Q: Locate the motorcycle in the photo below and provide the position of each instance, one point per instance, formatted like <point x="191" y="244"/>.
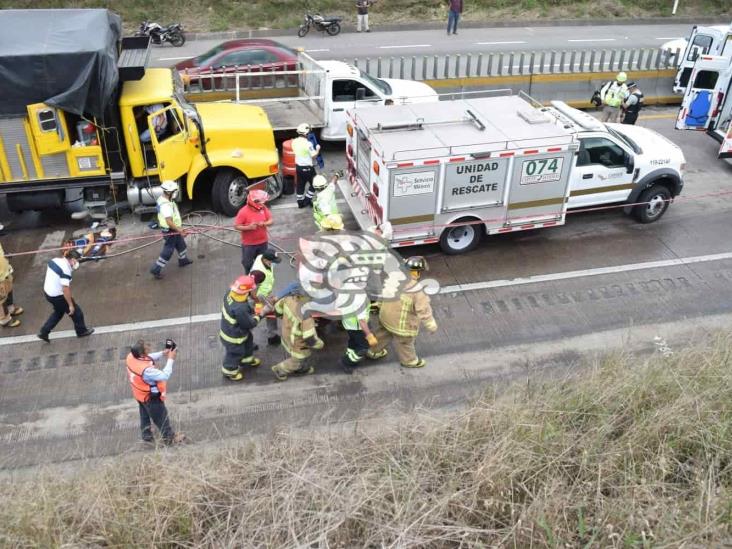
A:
<point x="159" y="34"/>
<point x="331" y="25"/>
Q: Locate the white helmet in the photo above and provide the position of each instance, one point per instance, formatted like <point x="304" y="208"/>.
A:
<point x="303" y="129"/>
<point x="319" y="182"/>
<point x="169" y="186"/>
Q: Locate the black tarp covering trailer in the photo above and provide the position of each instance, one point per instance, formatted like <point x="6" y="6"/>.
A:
<point x="66" y="58"/>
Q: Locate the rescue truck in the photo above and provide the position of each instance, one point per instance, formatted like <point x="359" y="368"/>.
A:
<point x="494" y="165"/>
<point x="81" y="114"/>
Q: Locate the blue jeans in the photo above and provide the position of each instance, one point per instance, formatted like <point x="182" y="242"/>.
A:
<point x="452" y="20"/>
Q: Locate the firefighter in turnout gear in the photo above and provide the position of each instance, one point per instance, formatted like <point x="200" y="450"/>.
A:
<point x="612" y="95"/>
<point x="325" y="199"/>
<point x="298" y="335"/>
<point x="172" y="227"/>
<point x="400" y="319"/>
<point x="237" y="322"/>
<point x="360" y="339"/>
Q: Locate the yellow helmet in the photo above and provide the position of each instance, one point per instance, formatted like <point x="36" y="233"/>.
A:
<point x="621" y="77"/>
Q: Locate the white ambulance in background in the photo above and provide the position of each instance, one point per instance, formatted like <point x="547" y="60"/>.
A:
<point x="454" y="171"/>
<point x="702" y="41"/>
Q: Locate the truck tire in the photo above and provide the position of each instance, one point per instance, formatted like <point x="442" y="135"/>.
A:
<point x="229" y="191"/>
<point x="461" y="238"/>
<point x="657" y="198"/>
<point x="275" y="186"/>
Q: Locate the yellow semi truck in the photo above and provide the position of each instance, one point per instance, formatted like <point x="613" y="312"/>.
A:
<point x="80" y="111"/>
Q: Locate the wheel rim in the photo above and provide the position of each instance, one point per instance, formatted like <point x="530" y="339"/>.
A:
<point x="461" y="237"/>
<point x="656" y="205"/>
<point x="237" y="191"/>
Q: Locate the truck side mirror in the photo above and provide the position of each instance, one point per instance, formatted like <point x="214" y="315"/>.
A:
<point x="360" y="94"/>
<point x="629" y="163"/>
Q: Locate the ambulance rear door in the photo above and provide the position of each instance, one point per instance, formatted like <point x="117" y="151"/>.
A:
<point x="413" y="190"/>
<point x="704" y="93"/>
<point x="702" y="41"/>
<point x="539" y="187"/>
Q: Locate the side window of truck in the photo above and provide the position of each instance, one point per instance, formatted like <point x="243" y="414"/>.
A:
<point x="175" y="126"/>
<point x="598" y="150"/>
<point x="706" y="80"/>
<point x="345" y="90"/>
<point x="47" y="120"/>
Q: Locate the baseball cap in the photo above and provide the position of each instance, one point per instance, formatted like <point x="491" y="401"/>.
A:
<point x="271" y="256"/>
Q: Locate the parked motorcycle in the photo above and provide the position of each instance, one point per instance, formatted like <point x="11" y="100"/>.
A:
<point x="159" y="34"/>
<point x="331" y="25"/>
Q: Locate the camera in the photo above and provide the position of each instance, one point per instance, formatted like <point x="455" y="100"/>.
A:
<point x="170" y="345"/>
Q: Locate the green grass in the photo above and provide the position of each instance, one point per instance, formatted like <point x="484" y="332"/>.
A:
<point x="629" y="453"/>
<point x="217" y="15"/>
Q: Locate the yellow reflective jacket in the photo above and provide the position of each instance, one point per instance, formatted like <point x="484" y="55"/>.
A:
<point x="404" y="315"/>
<point x="5" y="268"/>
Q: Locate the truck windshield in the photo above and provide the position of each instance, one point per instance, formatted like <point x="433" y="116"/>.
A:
<point x="189" y="110"/>
<point x="625" y="139"/>
<point x="379" y="84"/>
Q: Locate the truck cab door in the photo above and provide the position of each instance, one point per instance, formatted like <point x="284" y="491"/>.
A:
<point x="703" y="94"/>
<point x="48" y="126"/>
<point x="603" y="173"/>
<point x="172" y="147"/>
<point x="344" y="92"/>
<point x="700" y="43"/>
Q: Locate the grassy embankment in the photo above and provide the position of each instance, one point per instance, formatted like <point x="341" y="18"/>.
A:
<point x="218" y="15"/>
<point x="633" y="452"/>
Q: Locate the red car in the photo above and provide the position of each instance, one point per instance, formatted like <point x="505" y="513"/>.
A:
<point x="245" y="55"/>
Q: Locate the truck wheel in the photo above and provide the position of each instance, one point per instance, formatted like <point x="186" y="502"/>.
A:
<point x="229" y="191"/>
<point x="333" y="29"/>
<point x="274" y="186"/>
<point x="656" y="203"/>
<point x="460" y="239"/>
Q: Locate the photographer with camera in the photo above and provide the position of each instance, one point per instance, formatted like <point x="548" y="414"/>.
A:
<point x="149" y="384"/>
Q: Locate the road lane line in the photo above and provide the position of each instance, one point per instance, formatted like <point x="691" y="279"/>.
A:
<point x="592" y="40"/>
<point x="173" y="58"/>
<point x="499" y="43"/>
<point x="315" y="51"/>
<point x="670" y="38"/>
<point x="406" y="46"/>
<point x="458" y="288"/>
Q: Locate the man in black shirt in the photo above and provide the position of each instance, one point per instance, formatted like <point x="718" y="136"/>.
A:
<point x="362" y="19"/>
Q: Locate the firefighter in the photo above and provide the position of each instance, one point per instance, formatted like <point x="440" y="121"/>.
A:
<point x="305" y="153"/>
<point x="298" y="335"/>
<point x="325" y="199"/>
<point x="8" y="309"/>
<point x="331" y="223"/>
<point x="612" y="95"/>
<point x="171" y="226"/>
<point x="400" y="320"/>
<point x="237" y="322"/>
<point x="360" y="339"/>
<point x="264" y="266"/>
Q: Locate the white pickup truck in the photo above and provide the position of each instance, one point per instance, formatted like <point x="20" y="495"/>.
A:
<point x="318" y="92"/>
<point x="499" y="164"/>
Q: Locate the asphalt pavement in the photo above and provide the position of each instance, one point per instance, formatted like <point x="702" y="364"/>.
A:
<point x="542" y="301"/>
<point x="350" y="45"/>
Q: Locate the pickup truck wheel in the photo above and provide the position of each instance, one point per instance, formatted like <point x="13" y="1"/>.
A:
<point x="656" y="201"/>
<point x="460" y="239"/>
<point x="229" y="192"/>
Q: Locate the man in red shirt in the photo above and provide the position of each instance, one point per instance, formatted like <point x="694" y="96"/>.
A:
<point x="252" y="222"/>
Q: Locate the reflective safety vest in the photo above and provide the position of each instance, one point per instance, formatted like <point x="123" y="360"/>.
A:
<point x="295" y="328"/>
<point x="264" y="288"/>
<point x="161" y="218"/>
<point x="237" y="320"/>
<point x="325" y="204"/>
<point x="141" y="390"/>
<point x="303" y="149"/>
<point x="351" y="322"/>
<point x="403" y="316"/>
<point x="635" y="108"/>
<point x="613" y="94"/>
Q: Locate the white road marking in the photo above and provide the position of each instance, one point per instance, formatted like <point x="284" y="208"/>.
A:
<point x="314" y="51"/>
<point x="499" y="43"/>
<point x="670" y="38"/>
<point x="592" y="40"/>
<point x="406" y="46"/>
<point x="173" y="58"/>
<point x="52" y="240"/>
<point x="459" y="288"/>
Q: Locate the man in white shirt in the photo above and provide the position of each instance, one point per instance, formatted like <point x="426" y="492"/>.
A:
<point x="57" y="289"/>
<point x="304" y="169"/>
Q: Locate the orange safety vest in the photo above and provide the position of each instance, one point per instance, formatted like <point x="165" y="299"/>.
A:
<point x="140" y="388"/>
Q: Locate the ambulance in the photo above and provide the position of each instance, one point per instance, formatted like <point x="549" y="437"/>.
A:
<point x="455" y="171"/>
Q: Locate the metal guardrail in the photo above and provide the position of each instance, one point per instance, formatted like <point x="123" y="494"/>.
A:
<point x="521" y="63"/>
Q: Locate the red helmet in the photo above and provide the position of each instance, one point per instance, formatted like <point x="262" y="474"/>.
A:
<point x="257" y="198"/>
<point x="243" y="285"/>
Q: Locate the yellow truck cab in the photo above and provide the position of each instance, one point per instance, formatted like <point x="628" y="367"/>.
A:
<point x="85" y="113"/>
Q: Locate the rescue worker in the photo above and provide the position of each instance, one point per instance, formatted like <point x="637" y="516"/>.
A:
<point x="299" y="337"/>
<point x="149" y="385"/>
<point x="360" y="339"/>
<point x="612" y="95"/>
<point x="263" y="296"/>
<point x="304" y="152"/>
<point x="237" y="322"/>
<point x="171" y="226"/>
<point x="332" y="223"/>
<point x="632" y="104"/>
<point x="400" y="320"/>
<point x="325" y="199"/>
<point x="252" y="222"/>
<point x="8" y="309"/>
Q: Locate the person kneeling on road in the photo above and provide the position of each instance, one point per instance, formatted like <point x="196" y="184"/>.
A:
<point x="149" y="384"/>
<point x="298" y="334"/>
<point x="237" y="322"/>
<point x="171" y="225"/>
<point x="400" y="320"/>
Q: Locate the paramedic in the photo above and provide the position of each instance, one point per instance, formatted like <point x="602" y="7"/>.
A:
<point x="304" y="155"/>
<point x="612" y="95"/>
<point x="171" y="225"/>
